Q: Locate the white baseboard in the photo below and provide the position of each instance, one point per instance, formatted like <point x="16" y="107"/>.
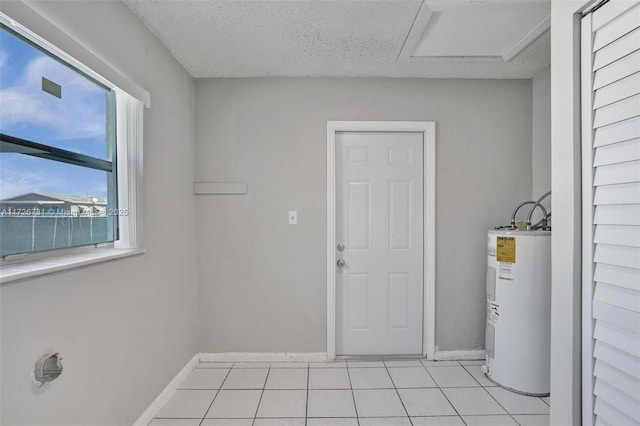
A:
<point x="460" y="355"/>
<point x="264" y="357"/>
<point x="167" y="393"/>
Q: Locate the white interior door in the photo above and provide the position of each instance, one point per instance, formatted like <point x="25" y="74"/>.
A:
<point x="379" y="220"/>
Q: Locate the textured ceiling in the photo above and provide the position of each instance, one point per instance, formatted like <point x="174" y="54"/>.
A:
<point x="240" y="38"/>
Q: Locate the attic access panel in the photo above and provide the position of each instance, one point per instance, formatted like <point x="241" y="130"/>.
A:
<point x="491" y="31"/>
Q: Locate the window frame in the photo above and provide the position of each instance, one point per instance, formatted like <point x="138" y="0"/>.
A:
<point x="37" y="148"/>
<point x="127" y="160"/>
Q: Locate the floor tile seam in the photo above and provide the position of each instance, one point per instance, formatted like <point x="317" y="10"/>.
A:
<point x="198" y="367"/>
<point x="246" y="368"/>
<point x="230" y="418"/>
<point x="391" y="417"/>
<point x="399" y="387"/>
<point x="430" y="376"/>
<point x="214" y="398"/>
<point x="284" y="389"/>
<point x="214" y="363"/>
<point x="443" y="366"/>
<point x="352" y="388"/>
<point x="517" y="414"/>
<point x="377" y="387"/>
<point x="397" y="366"/>
<point x="476" y="386"/>
<point x="332" y="417"/>
<point x="453" y="387"/>
<point x="402" y="366"/>
<point x="325" y="368"/>
<point x="425" y="387"/>
<point x="528" y="415"/>
<point x="332" y="389"/>
<point x="177" y="418"/>
<point x="221" y="388"/>
<point x="398" y="393"/>
<point x="373" y="366"/>
<point x="306" y="406"/>
<point x="341" y="417"/>
<point x="440" y="415"/>
<point x="469" y="372"/>
<point x="280" y="417"/>
<point x="358" y="364"/>
<point x="279" y="368"/>
<point x="542" y="398"/>
<point x="434" y="380"/>
<point x="337" y="389"/>
<point x="501" y="406"/>
<point x="512" y="392"/>
<point x="424" y="366"/>
<point x="498" y="415"/>
<point x="520" y="424"/>
<point x="241" y="389"/>
<point x="446" y="397"/>
<point x="255" y="415"/>
<point x="353" y="396"/>
<point x="466" y="371"/>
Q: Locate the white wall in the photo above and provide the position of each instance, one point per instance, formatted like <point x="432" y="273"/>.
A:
<point x="126" y="327"/>
<point x="261" y="282"/>
<point x="541" y="134"/>
<point x="566" y="241"/>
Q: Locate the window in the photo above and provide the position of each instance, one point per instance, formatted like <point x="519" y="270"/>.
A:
<point x="70" y="152"/>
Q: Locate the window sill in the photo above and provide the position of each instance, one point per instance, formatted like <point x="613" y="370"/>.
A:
<point x="36" y="268"/>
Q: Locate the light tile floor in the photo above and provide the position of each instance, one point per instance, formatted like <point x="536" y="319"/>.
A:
<point x="351" y="393"/>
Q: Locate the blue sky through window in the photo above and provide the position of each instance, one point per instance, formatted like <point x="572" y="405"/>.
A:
<point x="76" y="122"/>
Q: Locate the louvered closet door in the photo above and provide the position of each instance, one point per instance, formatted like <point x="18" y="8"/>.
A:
<point x="611" y="214"/>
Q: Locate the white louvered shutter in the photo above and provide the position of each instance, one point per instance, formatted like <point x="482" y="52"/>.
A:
<point x="611" y="214"/>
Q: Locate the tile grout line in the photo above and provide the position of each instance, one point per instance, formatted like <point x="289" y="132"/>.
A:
<point x="469" y="373"/>
<point x="261" y="394"/>
<point x="397" y="392"/>
<point x="306" y="407"/>
<point x="215" y="396"/>
<point x="498" y="402"/>
<point x="490" y="394"/>
<point x="376" y="388"/>
<point x="445" y="395"/>
<point x="355" y="407"/>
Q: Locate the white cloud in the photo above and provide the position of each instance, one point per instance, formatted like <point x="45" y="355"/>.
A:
<point x="20" y="181"/>
<point x="20" y="174"/>
<point x="75" y="116"/>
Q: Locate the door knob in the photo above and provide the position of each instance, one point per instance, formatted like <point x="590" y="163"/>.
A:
<point x="340" y="263"/>
<point x="340" y="247"/>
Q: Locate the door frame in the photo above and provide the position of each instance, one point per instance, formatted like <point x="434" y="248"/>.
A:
<point x="427" y="128"/>
<point x="587" y="322"/>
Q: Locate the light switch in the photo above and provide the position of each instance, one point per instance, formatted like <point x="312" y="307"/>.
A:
<point x="293" y="217"/>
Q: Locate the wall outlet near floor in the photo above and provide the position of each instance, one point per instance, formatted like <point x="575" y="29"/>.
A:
<point x="293" y="217"/>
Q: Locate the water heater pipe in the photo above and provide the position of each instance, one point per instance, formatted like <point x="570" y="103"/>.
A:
<point x="537" y="204"/>
<point x="515" y="211"/>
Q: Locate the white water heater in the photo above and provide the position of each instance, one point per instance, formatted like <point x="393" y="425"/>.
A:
<point x="518" y="327"/>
